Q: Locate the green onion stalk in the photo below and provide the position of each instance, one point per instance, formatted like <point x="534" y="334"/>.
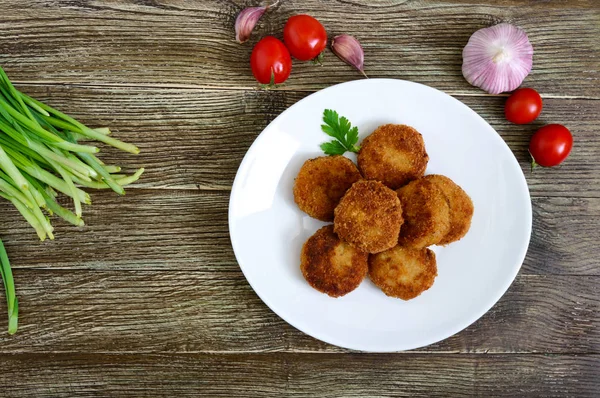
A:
<point x="40" y="155"/>
<point x="9" y="289"/>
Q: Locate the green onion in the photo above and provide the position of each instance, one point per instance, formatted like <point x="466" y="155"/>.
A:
<point x="9" y="288"/>
<point x="40" y="156"/>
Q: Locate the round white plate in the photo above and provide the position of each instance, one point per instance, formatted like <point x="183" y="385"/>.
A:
<point x="268" y="230"/>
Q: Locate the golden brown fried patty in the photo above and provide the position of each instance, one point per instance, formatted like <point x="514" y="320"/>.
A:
<point x="403" y="272"/>
<point x="321" y="183"/>
<point x="393" y="154"/>
<point x="330" y="265"/>
<point x="369" y="217"/>
<point x="461" y="207"/>
<point x="426" y="214"/>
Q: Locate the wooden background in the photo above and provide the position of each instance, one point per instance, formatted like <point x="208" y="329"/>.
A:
<point x="148" y="299"/>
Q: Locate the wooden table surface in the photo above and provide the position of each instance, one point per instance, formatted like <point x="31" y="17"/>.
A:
<point x="148" y="299"/>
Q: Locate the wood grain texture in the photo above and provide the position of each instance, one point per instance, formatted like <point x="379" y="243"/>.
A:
<point x="294" y="375"/>
<point x="188" y="230"/>
<point x="217" y="311"/>
<point x="178" y="42"/>
<point x="196" y="139"/>
<point x="148" y="300"/>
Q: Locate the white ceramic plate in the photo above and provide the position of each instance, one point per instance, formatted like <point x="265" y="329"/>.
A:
<point x="268" y="230"/>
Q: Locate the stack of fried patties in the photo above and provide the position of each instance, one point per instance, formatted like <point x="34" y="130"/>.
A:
<point x="385" y="214"/>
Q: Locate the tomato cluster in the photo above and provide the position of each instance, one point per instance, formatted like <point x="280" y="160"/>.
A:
<point x="551" y="144"/>
<point x="305" y="38"/>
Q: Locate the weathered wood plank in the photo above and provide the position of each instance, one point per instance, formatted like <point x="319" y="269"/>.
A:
<point x="555" y="221"/>
<point x="191" y="43"/>
<point x="217" y="311"/>
<point x="297" y="375"/>
<point x="148" y="298"/>
<point x="197" y="138"/>
<point x="188" y="230"/>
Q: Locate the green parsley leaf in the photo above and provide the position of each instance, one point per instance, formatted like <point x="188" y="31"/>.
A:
<point x="339" y="128"/>
<point x="333" y="148"/>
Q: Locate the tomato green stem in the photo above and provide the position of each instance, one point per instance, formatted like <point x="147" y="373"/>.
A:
<point x="318" y="60"/>
<point x="533" y="163"/>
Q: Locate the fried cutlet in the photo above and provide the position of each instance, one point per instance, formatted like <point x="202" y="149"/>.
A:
<point x="426" y="214"/>
<point x="332" y="266"/>
<point x="403" y="272"/>
<point x="393" y="154"/>
<point x="321" y="183"/>
<point x="369" y="217"/>
<point x="461" y="208"/>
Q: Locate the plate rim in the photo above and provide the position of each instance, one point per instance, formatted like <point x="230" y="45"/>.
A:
<point x="435" y="337"/>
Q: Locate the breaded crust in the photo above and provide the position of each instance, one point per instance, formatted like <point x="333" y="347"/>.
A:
<point x="393" y="154"/>
<point x="330" y="265"/>
<point x="321" y="183"/>
<point x="426" y="214"/>
<point x="403" y="272"/>
<point x="369" y="217"/>
<point x="461" y="208"/>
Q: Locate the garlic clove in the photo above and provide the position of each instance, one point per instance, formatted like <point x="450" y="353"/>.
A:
<point x="247" y="20"/>
<point x="349" y="50"/>
<point x="498" y="58"/>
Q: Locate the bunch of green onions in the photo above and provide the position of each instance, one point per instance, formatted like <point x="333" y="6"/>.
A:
<point x="40" y="155"/>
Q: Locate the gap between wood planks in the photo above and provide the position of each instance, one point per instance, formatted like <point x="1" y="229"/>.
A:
<point x="227" y="188"/>
<point x="243" y="88"/>
<point x="342" y="351"/>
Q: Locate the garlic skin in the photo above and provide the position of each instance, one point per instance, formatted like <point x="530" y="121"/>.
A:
<point x="349" y="50"/>
<point x="498" y="58"/>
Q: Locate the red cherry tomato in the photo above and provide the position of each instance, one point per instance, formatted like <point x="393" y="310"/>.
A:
<point x="270" y="59"/>
<point x="523" y="106"/>
<point x="305" y="37"/>
<point x="550" y="145"/>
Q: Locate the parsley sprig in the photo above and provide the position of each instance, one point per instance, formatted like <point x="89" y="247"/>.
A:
<point x="339" y="128"/>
